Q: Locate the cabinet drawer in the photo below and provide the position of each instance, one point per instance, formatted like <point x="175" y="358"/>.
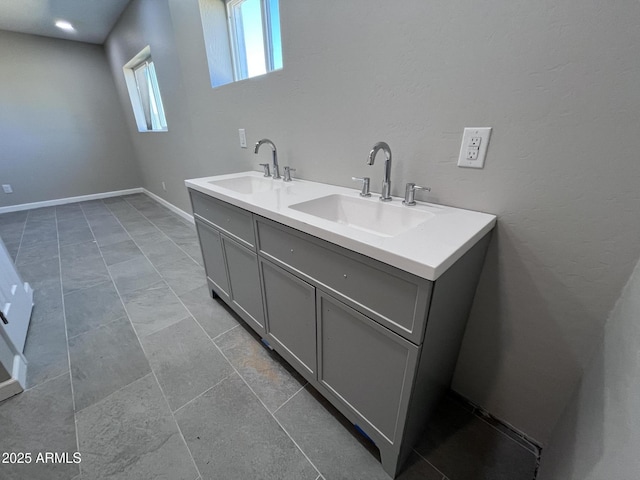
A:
<point x="233" y="220"/>
<point x="390" y="296"/>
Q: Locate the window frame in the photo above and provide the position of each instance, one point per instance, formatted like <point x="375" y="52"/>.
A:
<point x="236" y="41"/>
<point x="157" y="116"/>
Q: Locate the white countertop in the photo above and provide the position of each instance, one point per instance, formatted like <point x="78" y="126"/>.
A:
<point x="426" y="250"/>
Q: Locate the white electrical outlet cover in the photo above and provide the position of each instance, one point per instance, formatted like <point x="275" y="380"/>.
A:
<point x="7" y="189"/>
<point x="243" y="138"/>
<point x="484" y="133"/>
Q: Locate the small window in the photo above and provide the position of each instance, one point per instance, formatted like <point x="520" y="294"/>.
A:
<point x="142" y="83"/>
<point x="254" y="33"/>
<point x="242" y="38"/>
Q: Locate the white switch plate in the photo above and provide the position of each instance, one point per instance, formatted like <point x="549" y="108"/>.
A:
<point x="473" y="150"/>
<point x="7" y="189"/>
<point x="243" y="138"/>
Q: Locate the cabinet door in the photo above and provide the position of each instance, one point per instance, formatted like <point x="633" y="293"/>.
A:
<point x="244" y="283"/>
<point x="290" y="306"/>
<point x="213" y="257"/>
<point x="366" y="366"/>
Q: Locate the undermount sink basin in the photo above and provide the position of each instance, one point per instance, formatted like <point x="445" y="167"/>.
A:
<point x="384" y="219"/>
<point x="247" y="185"/>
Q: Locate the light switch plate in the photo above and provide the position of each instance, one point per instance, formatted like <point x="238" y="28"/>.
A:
<point x="473" y="150"/>
<point x="243" y="138"/>
<point x="7" y="189"/>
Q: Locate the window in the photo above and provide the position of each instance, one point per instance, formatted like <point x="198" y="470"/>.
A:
<point x="254" y="34"/>
<point x="142" y="83"/>
<point x="242" y="38"/>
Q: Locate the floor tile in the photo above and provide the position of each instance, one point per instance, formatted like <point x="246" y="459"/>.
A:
<point x="44" y="213"/>
<point x="14" y="217"/>
<point x="120" y="252"/>
<point x="134" y="275"/>
<point x="80" y="273"/>
<point x="192" y="248"/>
<point x="110" y="235"/>
<point x="330" y="441"/>
<point x="72" y="236"/>
<point x="94" y="207"/>
<point x="273" y="380"/>
<point x="185" y="361"/>
<point x="138" y="226"/>
<point x="41" y="273"/>
<point x="144" y="442"/>
<point x="88" y="249"/>
<point x="464" y="447"/>
<point x="212" y="314"/>
<point x="47" y="301"/>
<point x="232" y="437"/>
<point x="46" y="349"/>
<point x="183" y="276"/>
<point x="105" y="360"/>
<point x="163" y="252"/>
<point x="72" y="223"/>
<point x="39" y="420"/>
<point x="39" y="232"/>
<point x="153" y="308"/>
<point x="92" y="307"/>
<point x="38" y="253"/>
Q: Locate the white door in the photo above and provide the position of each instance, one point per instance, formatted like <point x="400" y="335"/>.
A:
<point x="16" y="301"/>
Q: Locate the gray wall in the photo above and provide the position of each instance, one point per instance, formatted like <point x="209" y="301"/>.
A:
<point x="599" y="433"/>
<point x="558" y="82"/>
<point x="62" y="131"/>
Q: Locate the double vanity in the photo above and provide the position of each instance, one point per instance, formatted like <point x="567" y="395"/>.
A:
<point x="368" y="300"/>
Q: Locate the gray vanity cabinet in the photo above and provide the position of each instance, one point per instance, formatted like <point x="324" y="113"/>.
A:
<point x="366" y="366"/>
<point x="213" y="256"/>
<point x="290" y="307"/>
<point x="231" y="263"/>
<point x="244" y="283"/>
<point x="379" y="343"/>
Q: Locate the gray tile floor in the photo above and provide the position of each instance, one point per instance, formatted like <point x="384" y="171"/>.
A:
<point x="132" y="364"/>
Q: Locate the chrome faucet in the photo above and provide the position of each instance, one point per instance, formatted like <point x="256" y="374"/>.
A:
<point x="276" y="169"/>
<point x="386" y="181"/>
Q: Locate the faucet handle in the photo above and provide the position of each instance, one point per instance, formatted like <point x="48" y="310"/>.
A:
<point x="365" y="185"/>
<point x="287" y="174"/>
<point x="267" y="173"/>
<point x="410" y="193"/>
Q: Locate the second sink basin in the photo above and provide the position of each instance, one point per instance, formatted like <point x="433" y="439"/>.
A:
<point x="247" y="185"/>
<point x="383" y="219"/>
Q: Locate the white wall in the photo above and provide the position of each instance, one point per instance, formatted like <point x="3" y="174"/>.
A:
<point x="599" y="433"/>
<point x="558" y="82"/>
<point x="62" y="131"/>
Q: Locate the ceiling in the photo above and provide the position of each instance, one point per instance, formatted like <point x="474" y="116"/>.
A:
<point x="92" y="19"/>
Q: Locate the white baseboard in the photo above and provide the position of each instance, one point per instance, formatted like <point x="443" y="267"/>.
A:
<point x="63" y="201"/>
<point x="170" y="206"/>
<point x="9" y="388"/>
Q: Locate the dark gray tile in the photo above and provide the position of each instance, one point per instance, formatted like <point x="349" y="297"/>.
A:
<point x="163" y="252"/>
<point x="185" y="361"/>
<point x="329" y="440"/>
<point x="94" y="207"/>
<point x="72" y="236"/>
<point x="273" y="380"/>
<point x="38" y="253"/>
<point x="92" y="307"/>
<point x="36" y="238"/>
<point x="153" y="308"/>
<point x="110" y="235"/>
<point x="41" y="274"/>
<point x="12" y="218"/>
<point x="120" y="252"/>
<point x="12" y="248"/>
<point x="82" y="250"/>
<point x="462" y="446"/>
<point x="103" y="221"/>
<point x="131" y="435"/>
<point x="39" y="420"/>
<point x="192" y="248"/>
<point x="46" y="348"/>
<point x="232" y="436"/>
<point x="71" y="223"/>
<point x="149" y="238"/>
<point x="44" y="213"/>
<point x="80" y="273"/>
<point x="105" y="360"/>
<point x="180" y="234"/>
<point x="183" y="276"/>
<point x="134" y="275"/>
<point x="416" y="468"/>
<point x="137" y="226"/>
<point x="47" y="302"/>
<point x="210" y="313"/>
